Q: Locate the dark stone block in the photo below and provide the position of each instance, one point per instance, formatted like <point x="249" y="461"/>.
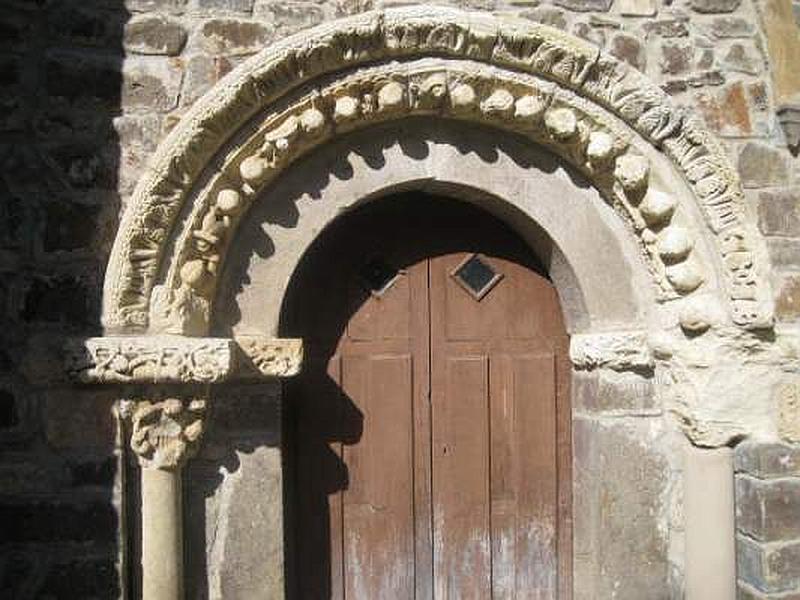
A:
<point x="779" y="212"/>
<point x="89" y="579"/>
<point x="69" y="226"/>
<point x="94" y="473"/>
<point x="38" y="521"/>
<point x="771" y="567"/>
<point x="768" y="510"/>
<point x="63" y="299"/>
<point x="78" y="77"/>
<point x="9" y="418"/>
<point x="768" y="460"/>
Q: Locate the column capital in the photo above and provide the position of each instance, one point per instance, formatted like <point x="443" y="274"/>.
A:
<point x="165" y="432"/>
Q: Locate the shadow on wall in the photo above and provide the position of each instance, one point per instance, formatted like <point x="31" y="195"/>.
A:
<point x="60" y="90"/>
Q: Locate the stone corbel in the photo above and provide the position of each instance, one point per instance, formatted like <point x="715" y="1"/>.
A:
<point x="172" y="378"/>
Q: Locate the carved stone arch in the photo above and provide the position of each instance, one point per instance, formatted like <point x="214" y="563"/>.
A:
<point x="600" y="116"/>
<point x="676" y="204"/>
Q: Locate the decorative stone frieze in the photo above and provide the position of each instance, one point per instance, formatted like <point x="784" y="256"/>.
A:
<point x="157" y="359"/>
<point x="166" y="359"/>
<point x="165" y="433"/>
<point x="271" y="357"/>
<point x="557" y="90"/>
<point x="618" y="351"/>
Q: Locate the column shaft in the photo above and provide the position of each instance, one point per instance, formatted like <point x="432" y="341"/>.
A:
<point x="709" y="518"/>
<point x="162" y="534"/>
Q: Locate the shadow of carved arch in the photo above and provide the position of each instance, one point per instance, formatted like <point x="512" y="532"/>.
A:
<point x="662" y="173"/>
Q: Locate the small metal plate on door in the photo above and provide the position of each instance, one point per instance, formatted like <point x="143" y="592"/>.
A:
<point x="476" y="276"/>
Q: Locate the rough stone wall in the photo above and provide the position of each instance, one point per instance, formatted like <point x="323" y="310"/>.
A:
<point x="87" y="91"/>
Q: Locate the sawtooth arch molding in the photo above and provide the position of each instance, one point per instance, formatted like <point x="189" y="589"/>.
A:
<point x="594" y="112"/>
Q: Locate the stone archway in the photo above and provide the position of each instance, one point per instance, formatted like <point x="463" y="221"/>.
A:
<point x="677" y="203"/>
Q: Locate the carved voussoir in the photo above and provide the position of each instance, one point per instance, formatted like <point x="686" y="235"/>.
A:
<point x="619" y="351"/>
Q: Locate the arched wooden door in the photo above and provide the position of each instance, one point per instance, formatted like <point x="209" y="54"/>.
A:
<point x="428" y="450"/>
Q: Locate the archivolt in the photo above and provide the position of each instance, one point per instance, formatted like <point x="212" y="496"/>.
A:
<point x="519" y="77"/>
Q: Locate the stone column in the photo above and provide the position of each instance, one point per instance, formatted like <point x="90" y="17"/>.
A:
<point x="166" y="426"/>
<point x="709" y="520"/>
<point x="165" y="433"/>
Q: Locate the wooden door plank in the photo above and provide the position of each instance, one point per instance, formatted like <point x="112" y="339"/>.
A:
<point x="378" y="517"/>
<point x="535" y="473"/>
<point x="462" y="552"/>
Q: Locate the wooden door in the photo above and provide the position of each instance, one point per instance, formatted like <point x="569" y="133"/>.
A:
<point x="428" y="437"/>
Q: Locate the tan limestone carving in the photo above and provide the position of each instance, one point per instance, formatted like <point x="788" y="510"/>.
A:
<point x="558" y="90"/>
<point x="167" y="432"/>
<point x="271" y="357"/>
<point x="164" y="359"/>
<point x="619" y="351"/>
<point x="156" y="359"/>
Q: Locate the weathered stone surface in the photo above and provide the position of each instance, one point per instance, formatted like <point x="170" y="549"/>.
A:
<point x="767" y="510"/>
<point x="42" y="521"/>
<point x="288" y="17"/>
<point x="784" y="252"/>
<point x="64" y="300"/>
<point x="765" y="460"/>
<point x="232" y="37"/>
<point x="770" y="567"/>
<point x="585" y="5"/>
<point x="91" y="578"/>
<point x="748" y="592"/>
<point x="715" y="6"/>
<point x="240" y="6"/>
<point x="151" y="84"/>
<point x="608" y="391"/>
<point x="783" y="44"/>
<point x="636" y="8"/>
<point x="69" y="226"/>
<point x="676" y="58"/>
<point x="761" y="165"/>
<point x="154" y="35"/>
<point x="787" y="302"/>
<point x="779" y="212"/>
<point x="742" y="59"/>
<point x="668" y="26"/>
<point x="250" y="554"/>
<point x="83" y="78"/>
<point x="202" y="72"/>
<point x="620" y="480"/>
<point x="732" y="27"/>
<point x="629" y="48"/>
<point x="726" y="110"/>
<point x="547" y="15"/>
<point x="79" y="420"/>
<point x="585" y="31"/>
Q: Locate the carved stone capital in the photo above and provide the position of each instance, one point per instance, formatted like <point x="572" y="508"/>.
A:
<point x="619" y="351"/>
<point x="165" y="433"/>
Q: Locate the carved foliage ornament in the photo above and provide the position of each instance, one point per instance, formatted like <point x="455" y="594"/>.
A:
<point x="516" y="49"/>
<point x="159" y="359"/>
<point x="175" y="359"/>
<point x="167" y="432"/>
